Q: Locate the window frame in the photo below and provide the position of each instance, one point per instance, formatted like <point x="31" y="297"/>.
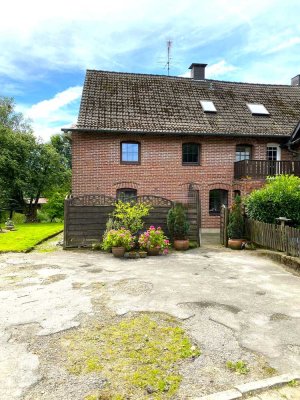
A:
<point x="139" y="153"/>
<point x="216" y="213"/>
<point x="120" y="190"/>
<point x="244" y="145"/>
<point x="185" y="163"/>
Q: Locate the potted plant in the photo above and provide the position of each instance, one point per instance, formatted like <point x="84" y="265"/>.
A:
<point x="118" y="240"/>
<point x="178" y="226"/>
<point x="235" y="228"/>
<point x="153" y="241"/>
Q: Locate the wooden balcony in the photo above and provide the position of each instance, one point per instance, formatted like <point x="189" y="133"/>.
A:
<point x="260" y="169"/>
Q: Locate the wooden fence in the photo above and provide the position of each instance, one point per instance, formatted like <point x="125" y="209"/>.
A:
<point x="275" y="237"/>
<point x="86" y="217"/>
<point x="271" y="236"/>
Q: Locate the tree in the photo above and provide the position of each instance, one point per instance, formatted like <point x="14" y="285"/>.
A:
<point x="28" y="168"/>
<point x="279" y="198"/>
<point x="62" y="144"/>
<point x="54" y="208"/>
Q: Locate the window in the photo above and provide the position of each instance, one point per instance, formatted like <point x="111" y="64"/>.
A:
<point x="208" y="106"/>
<point x="257" y="109"/>
<point x="217" y="197"/>
<point x="242" y="152"/>
<point x="190" y="154"/>
<point x="130" y="153"/>
<point x="126" y="194"/>
<point x="273" y="152"/>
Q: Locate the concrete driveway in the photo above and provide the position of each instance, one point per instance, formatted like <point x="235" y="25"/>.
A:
<point x="234" y="305"/>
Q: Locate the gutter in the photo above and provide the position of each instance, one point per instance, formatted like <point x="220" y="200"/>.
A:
<point x="137" y="132"/>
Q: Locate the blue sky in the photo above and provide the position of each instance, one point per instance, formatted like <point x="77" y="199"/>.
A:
<point x="45" y="47"/>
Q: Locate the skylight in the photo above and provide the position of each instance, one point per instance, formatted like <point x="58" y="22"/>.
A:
<point x="208" y="106"/>
<point x="257" y="109"/>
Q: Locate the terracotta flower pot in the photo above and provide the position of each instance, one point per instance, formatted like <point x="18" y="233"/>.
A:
<point x="235" y="244"/>
<point x="153" y="252"/>
<point x="118" y="251"/>
<point x="181" y="244"/>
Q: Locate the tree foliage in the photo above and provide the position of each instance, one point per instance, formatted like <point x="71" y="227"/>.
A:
<point x="28" y="167"/>
<point x="279" y="198"/>
<point x="178" y="224"/>
<point x="235" y="227"/>
<point x="54" y="208"/>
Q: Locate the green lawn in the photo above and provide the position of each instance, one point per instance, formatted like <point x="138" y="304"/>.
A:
<point x="27" y="236"/>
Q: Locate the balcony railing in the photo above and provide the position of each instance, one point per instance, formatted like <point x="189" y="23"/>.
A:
<point x="260" y="169"/>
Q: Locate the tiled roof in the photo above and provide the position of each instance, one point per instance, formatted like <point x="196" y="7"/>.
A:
<point x="160" y="104"/>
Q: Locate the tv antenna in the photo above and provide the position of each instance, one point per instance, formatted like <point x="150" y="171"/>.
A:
<point x="169" y="45"/>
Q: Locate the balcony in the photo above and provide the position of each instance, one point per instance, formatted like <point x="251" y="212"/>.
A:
<point x="260" y="169"/>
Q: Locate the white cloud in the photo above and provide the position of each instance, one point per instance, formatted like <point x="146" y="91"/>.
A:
<point x="219" y="69"/>
<point x="49" y="116"/>
<point x="47" y="108"/>
<point x="95" y="34"/>
<point x="284" y="45"/>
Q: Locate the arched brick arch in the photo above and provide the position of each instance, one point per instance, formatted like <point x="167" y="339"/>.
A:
<point x="126" y="184"/>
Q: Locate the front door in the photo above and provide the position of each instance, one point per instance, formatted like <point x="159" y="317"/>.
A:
<point x="273" y="156"/>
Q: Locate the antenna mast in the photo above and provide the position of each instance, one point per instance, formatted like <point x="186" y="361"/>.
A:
<point x="169" y="45"/>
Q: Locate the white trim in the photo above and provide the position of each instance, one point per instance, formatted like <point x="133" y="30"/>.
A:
<point x="278" y="155"/>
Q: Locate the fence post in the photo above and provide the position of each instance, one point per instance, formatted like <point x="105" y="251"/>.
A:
<point x="283" y="233"/>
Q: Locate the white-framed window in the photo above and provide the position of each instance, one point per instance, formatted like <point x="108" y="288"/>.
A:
<point x="273" y="152"/>
<point x="243" y="152"/>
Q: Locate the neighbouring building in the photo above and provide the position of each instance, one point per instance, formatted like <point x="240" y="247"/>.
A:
<point x="140" y="134"/>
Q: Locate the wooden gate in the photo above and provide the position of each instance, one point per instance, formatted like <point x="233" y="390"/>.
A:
<point x="223" y="225"/>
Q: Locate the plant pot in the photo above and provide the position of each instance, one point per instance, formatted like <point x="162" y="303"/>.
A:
<point x="181" y="244"/>
<point x="143" y="254"/>
<point x="153" y="252"/>
<point x="235" y="244"/>
<point x="118" y="251"/>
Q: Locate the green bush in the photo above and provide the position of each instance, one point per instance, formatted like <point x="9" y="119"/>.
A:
<point x="54" y="208"/>
<point x="128" y="215"/>
<point x="42" y="216"/>
<point x="279" y="198"/>
<point x="117" y="238"/>
<point x="177" y="222"/>
<point x="18" y="218"/>
<point x="236" y="223"/>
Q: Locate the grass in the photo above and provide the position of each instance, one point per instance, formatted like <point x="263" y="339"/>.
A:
<point x="27" y="236"/>
<point x="137" y="356"/>
<point x="240" y="367"/>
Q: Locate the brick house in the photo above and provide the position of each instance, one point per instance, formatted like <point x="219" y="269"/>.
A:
<point x="141" y="134"/>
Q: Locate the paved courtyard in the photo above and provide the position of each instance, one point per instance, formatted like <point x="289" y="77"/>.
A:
<point x="234" y="305"/>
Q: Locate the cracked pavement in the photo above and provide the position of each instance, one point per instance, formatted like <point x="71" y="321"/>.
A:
<point x="236" y="305"/>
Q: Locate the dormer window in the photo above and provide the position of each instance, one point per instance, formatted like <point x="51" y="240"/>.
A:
<point x="208" y="106"/>
<point x="257" y="109"/>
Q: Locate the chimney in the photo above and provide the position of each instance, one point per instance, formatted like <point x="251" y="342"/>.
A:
<point x="198" y="71"/>
<point x="295" y="81"/>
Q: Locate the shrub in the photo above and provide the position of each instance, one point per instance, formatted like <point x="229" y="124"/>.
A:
<point x="18" y="218"/>
<point x="42" y="216"/>
<point x="154" y="238"/>
<point x="279" y="198"/>
<point x="236" y="224"/>
<point x="117" y="238"/>
<point x="129" y="215"/>
<point x="55" y="206"/>
<point x="177" y="222"/>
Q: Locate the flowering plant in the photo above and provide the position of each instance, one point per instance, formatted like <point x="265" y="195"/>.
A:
<point x="154" y="238"/>
<point x="118" y="238"/>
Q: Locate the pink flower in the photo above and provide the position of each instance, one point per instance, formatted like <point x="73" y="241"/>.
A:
<point x="152" y="227"/>
<point x="166" y="251"/>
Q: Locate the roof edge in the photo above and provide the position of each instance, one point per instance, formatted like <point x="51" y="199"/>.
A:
<point x="175" y="133"/>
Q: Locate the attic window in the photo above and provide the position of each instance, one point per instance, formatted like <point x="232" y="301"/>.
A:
<point x="257" y="109"/>
<point x="208" y="106"/>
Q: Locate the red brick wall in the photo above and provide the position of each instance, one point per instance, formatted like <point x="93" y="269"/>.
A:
<point x="97" y="167"/>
